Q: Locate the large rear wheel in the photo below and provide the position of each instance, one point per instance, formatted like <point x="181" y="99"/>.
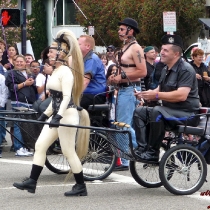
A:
<point x="97" y="165"/>
<point x="100" y="160"/>
<point x="188" y="170"/>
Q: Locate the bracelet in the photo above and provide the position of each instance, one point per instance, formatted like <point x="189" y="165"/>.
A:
<point x="123" y="75"/>
<point x="157" y="96"/>
<point x="24" y="84"/>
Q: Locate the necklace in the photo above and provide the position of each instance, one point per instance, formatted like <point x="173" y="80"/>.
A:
<point x="132" y="39"/>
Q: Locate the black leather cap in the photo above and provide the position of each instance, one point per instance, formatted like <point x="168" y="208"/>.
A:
<point x="172" y="39"/>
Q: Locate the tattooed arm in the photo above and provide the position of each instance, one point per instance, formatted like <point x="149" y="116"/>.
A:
<point x="139" y="60"/>
<point x="134" y="55"/>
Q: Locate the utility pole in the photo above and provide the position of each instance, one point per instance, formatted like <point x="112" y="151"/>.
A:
<point x="23" y="26"/>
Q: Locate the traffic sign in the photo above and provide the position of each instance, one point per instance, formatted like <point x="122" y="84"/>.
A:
<point x="10" y="17"/>
<point x="169" y="21"/>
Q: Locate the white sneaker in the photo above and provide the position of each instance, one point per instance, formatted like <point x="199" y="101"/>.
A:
<point x="21" y="152"/>
<point x="28" y="153"/>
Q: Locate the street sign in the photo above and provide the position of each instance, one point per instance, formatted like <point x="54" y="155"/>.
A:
<point x="91" y="30"/>
<point x="169" y="21"/>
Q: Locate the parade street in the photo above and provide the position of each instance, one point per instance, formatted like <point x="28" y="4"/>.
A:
<point x="118" y="191"/>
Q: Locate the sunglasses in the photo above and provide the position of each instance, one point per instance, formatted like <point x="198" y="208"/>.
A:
<point x="110" y="50"/>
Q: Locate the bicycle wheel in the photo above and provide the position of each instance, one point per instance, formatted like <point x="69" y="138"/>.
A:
<point x="145" y="174"/>
<point x="100" y="160"/>
<point x="97" y="165"/>
<point x="56" y="161"/>
<point x="189" y="170"/>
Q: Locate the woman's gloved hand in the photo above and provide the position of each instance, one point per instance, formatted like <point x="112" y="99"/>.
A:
<point x="54" y="123"/>
<point x="43" y="117"/>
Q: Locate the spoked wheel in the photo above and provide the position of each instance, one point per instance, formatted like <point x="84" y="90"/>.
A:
<point x="186" y="167"/>
<point x="56" y="161"/>
<point x="97" y="165"/>
<point x="100" y="161"/>
<point x="145" y="174"/>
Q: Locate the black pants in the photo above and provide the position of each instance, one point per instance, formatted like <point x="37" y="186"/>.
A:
<point x="143" y="116"/>
<point x="88" y="99"/>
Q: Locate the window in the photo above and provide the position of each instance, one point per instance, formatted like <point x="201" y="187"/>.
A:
<point x="65" y="13"/>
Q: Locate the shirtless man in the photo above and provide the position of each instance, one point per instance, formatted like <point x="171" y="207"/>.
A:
<point x="133" y="67"/>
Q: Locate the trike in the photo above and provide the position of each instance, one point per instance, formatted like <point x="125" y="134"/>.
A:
<point x="182" y="169"/>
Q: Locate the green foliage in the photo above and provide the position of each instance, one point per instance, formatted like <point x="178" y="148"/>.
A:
<point x="38" y="30"/>
<point x="106" y="14"/>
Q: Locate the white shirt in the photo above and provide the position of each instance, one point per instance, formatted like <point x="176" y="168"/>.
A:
<point x="40" y="80"/>
<point x="109" y="63"/>
<point x="3" y="91"/>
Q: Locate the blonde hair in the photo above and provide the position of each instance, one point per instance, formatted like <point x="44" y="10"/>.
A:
<point x="90" y="40"/>
<point x="77" y="66"/>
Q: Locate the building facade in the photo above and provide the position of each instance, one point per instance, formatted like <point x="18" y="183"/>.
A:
<point x="61" y="16"/>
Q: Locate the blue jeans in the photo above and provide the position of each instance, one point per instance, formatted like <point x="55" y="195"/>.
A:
<point x="17" y="133"/>
<point x="126" y="104"/>
<point x="2" y="130"/>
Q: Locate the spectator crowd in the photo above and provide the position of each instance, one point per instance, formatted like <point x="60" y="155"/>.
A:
<point x="23" y="80"/>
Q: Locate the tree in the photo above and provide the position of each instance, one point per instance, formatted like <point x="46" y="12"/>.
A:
<point x="38" y="24"/>
<point x="187" y="14"/>
<point x="104" y="15"/>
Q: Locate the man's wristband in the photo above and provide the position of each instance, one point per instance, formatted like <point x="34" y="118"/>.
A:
<point x="24" y="84"/>
<point x="157" y="96"/>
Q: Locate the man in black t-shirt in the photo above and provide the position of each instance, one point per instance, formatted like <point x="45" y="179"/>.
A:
<point x="179" y="94"/>
<point x="150" y="55"/>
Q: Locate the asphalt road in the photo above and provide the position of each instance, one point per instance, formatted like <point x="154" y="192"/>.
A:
<point x="118" y="192"/>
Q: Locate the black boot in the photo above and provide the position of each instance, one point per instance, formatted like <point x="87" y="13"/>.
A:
<point x="77" y="190"/>
<point x="141" y="131"/>
<point x="30" y="183"/>
<point x="27" y="184"/>
<point x="157" y="133"/>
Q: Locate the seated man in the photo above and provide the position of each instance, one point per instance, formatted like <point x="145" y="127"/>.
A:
<point x="95" y="80"/>
<point x="178" y="91"/>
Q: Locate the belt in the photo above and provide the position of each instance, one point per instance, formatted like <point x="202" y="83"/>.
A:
<point x="127" y="84"/>
<point x="127" y="65"/>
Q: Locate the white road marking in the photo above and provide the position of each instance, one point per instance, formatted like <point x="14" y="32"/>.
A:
<point x="122" y="178"/>
<point x="62" y="185"/>
<point x="116" y="178"/>
<point x="16" y="161"/>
